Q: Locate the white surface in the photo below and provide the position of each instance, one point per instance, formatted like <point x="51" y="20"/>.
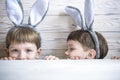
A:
<point x="60" y="70"/>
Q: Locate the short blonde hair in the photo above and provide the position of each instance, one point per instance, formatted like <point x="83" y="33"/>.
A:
<point x="23" y="34"/>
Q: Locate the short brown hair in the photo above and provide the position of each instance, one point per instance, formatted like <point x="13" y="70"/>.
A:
<point x="87" y="42"/>
<point x="23" y="34"/>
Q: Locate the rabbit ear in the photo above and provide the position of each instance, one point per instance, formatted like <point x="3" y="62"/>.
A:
<point x="76" y="15"/>
<point x="38" y="12"/>
<point x="89" y="13"/>
<point x="15" y="11"/>
<point x="89" y="19"/>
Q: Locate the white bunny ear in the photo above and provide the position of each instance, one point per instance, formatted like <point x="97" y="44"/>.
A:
<point x="89" y="13"/>
<point x="15" y="11"/>
<point x="89" y="19"/>
<point x="76" y="15"/>
<point x="38" y="12"/>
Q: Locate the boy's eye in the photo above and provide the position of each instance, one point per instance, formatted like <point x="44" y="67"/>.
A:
<point x="72" y="49"/>
<point x="14" y="50"/>
<point x="29" y="50"/>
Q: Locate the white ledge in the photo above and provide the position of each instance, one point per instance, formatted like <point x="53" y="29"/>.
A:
<point x="60" y="69"/>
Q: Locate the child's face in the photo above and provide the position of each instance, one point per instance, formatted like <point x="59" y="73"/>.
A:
<point x="21" y="51"/>
<point x="75" y="50"/>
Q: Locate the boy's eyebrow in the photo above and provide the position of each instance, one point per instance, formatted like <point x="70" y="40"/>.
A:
<point x="29" y="48"/>
<point x="70" y="44"/>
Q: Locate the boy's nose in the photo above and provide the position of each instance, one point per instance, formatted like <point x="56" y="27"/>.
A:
<point x="22" y="55"/>
<point x="66" y="53"/>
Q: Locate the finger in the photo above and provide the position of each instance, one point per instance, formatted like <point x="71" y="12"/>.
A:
<point x="72" y="58"/>
<point x="56" y="58"/>
<point x="77" y="58"/>
<point x="11" y="58"/>
<point x="48" y="57"/>
<point x="51" y="57"/>
<point x="5" y="58"/>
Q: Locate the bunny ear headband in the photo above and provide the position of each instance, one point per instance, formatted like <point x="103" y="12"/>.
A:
<point x="16" y="14"/>
<point x="87" y="25"/>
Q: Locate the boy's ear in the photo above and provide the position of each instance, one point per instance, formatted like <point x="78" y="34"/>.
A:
<point x="91" y="54"/>
<point x="38" y="53"/>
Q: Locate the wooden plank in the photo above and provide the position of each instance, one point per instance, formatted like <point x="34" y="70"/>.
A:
<point x="65" y="23"/>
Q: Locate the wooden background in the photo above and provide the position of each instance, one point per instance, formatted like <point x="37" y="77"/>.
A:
<point x="57" y="25"/>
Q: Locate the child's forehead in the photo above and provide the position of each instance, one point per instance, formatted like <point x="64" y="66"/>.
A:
<point x="73" y="42"/>
<point x="22" y="42"/>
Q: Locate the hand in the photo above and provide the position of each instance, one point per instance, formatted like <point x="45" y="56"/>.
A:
<point x="115" y="57"/>
<point x="7" y="58"/>
<point x="51" y="57"/>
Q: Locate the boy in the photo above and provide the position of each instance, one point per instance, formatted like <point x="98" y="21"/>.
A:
<point x="81" y="46"/>
<point x="84" y="43"/>
<point x="23" y="43"/>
